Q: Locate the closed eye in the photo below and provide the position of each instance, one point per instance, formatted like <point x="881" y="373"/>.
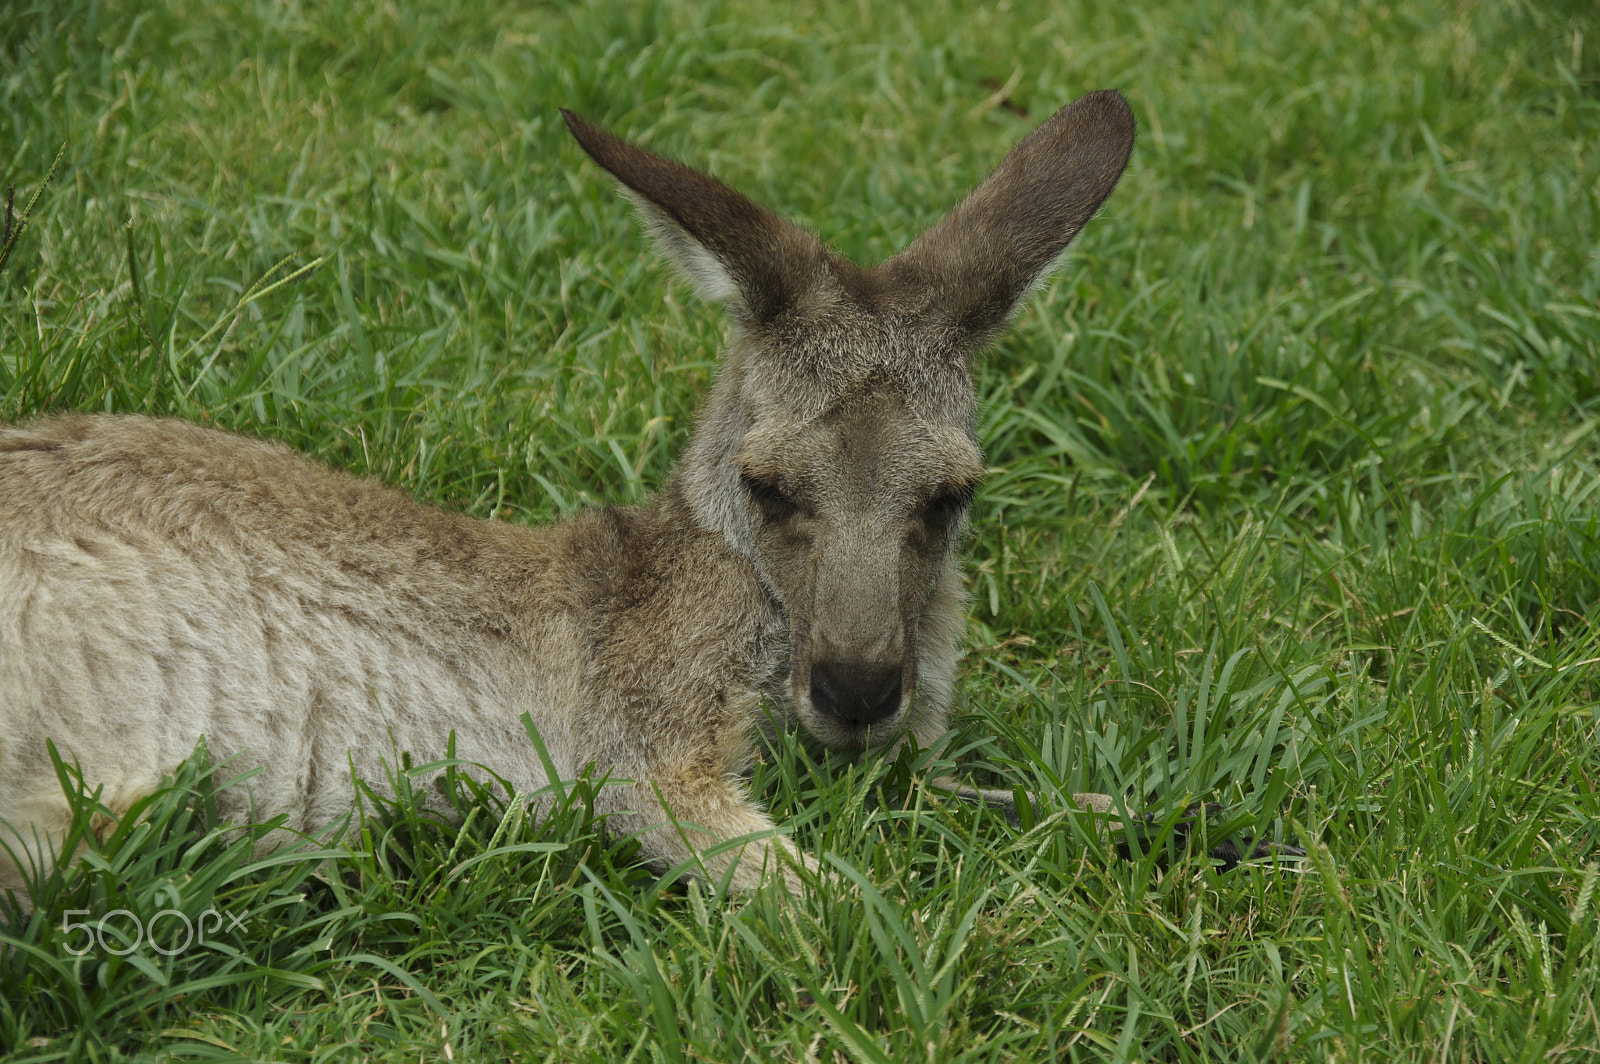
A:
<point x="948" y="504"/>
<point x="770" y="498"/>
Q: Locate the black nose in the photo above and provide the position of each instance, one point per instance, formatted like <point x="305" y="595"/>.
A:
<point x="855" y="693"/>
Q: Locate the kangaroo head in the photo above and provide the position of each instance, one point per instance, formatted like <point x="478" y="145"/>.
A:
<point x="836" y="451"/>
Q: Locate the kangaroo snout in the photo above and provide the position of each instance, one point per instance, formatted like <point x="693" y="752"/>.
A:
<point x="855" y="693"/>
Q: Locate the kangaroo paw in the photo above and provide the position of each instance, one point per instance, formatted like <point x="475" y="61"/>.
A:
<point x="1231" y="852"/>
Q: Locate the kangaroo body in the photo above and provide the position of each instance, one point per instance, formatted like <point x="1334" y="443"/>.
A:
<point x="160" y="581"/>
<point x="164" y="581"/>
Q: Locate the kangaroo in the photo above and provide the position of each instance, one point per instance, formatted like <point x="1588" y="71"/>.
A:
<point x="161" y="581"/>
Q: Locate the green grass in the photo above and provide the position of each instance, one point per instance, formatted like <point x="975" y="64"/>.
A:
<point x="1295" y="504"/>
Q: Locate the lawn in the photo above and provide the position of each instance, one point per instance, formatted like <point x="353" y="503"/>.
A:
<point x="1294" y="505"/>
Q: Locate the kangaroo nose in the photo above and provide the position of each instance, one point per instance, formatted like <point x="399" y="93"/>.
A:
<point x="855" y="693"/>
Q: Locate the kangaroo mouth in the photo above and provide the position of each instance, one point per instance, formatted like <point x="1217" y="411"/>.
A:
<point x="852" y="736"/>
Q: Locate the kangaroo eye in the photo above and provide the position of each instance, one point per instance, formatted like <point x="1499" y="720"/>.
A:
<point x="948" y="505"/>
<point x="767" y="495"/>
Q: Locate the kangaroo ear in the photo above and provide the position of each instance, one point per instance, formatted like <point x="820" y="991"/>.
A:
<point x="975" y="266"/>
<point x="732" y="250"/>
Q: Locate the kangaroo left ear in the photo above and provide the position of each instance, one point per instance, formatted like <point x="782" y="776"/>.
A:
<point x="733" y="251"/>
<point x="973" y="268"/>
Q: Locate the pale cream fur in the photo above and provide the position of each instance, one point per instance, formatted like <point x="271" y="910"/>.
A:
<point x="161" y="581"/>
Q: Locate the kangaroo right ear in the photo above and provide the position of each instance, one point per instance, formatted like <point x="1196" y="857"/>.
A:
<point x="732" y="250"/>
<point x="974" y="267"/>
